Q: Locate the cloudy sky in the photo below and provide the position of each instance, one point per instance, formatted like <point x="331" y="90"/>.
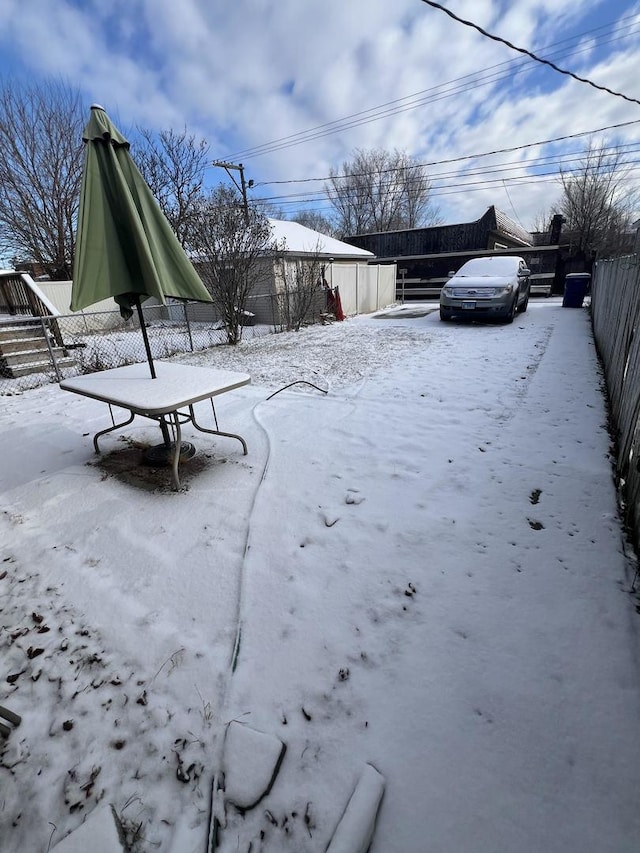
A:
<point x="291" y="88"/>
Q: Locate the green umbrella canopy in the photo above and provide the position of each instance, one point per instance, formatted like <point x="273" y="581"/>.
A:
<point x="125" y="247"/>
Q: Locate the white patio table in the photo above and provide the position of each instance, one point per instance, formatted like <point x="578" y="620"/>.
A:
<point x="170" y="396"/>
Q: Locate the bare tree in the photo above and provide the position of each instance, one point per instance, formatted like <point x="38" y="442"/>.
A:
<point x="228" y="247"/>
<point x="301" y="287"/>
<point x="41" y="158"/>
<point x="269" y="209"/>
<point x="598" y="201"/>
<point x="541" y="221"/>
<point x="173" y="164"/>
<point x="380" y="190"/>
<point x="315" y="220"/>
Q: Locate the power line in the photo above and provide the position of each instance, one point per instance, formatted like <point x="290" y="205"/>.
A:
<point x="388" y="109"/>
<point x="428" y="164"/>
<point x="445" y="191"/>
<point x="528" y="53"/>
<point x="456" y="185"/>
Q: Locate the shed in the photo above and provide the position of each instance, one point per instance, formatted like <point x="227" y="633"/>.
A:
<point x="364" y="285"/>
<point x="299" y="251"/>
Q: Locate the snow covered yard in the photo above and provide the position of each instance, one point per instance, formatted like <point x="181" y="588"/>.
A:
<point x="422" y="569"/>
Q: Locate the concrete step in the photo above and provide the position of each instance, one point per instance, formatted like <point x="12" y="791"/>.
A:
<point x="12" y="333"/>
<point x="40" y="353"/>
<point x="14" y="371"/>
<point x="22" y="344"/>
<point x="24" y="350"/>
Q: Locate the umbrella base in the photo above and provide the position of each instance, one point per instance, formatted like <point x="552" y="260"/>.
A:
<point x="161" y="455"/>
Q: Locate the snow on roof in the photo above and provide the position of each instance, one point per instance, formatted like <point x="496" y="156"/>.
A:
<point x="302" y="240"/>
<point x="508" y="226"/>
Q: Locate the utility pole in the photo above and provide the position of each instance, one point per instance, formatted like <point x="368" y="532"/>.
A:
<point x="243" y="185"/>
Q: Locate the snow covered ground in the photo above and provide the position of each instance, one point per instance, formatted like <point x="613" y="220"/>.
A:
<point x="422" y="570"/>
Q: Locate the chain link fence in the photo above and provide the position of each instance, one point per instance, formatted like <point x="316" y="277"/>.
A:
<point x="36" y="351"/>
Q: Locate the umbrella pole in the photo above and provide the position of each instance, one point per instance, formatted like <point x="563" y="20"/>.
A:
<point x="145" y="338"/>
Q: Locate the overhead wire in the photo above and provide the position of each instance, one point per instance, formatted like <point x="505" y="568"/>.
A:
<point x="445" y="192"/>
<point x="530" y="54"/>
<point x="452" y="183"/>
<point x="428" y="164"/>
<point x="407" y="103"/>
<point x="382" y="112"/>
<point x="459" y="185"/>
<point x="574" y="159"/>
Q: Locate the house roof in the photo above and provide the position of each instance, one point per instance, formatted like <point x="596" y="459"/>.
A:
<point x="508" y="226"/>
<point x="441" y="239"/>
<point x="502" y="222"/>
<point x="300" y="240"/>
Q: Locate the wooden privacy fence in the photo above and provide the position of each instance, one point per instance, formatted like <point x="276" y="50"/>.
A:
<point x="615" y="306"/>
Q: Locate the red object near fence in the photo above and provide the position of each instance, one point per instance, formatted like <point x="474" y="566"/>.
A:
<point x="337" y="309"/>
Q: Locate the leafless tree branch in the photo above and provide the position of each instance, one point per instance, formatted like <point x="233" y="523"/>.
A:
<point x="598" y="201"/>
<point x="173" y="164"/>
<point x="379" y="190"/>
<point x="41" y="157"/>
<point x="227" y="251"/>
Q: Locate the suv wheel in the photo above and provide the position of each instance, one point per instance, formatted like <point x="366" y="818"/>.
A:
<point x="512" y="310"/>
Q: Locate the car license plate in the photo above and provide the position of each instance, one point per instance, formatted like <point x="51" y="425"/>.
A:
<point x="469" y="305"/>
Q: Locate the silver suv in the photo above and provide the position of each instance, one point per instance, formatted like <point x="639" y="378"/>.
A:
<point x="492" y="288"/>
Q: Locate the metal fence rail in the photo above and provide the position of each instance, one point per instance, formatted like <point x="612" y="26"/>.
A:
<point x="100" y="340"/>
<point x="37" y="348"/>
<point x="615" y="306"/>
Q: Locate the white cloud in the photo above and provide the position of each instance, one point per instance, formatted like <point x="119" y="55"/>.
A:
<point x="247" y="73"/>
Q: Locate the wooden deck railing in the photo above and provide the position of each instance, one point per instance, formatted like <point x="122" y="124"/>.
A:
<point x="19" y="295"/>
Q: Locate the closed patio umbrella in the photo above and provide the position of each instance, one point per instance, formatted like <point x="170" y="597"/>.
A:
<point x="125" y="248"/>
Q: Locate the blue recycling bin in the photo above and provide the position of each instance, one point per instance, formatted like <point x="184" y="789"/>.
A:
<point x="576" y="285"/>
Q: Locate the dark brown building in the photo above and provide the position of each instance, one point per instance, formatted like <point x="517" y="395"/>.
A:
<point x="429" y="255"/>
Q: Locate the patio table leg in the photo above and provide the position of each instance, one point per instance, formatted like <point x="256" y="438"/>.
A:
<point x="176" y="451"/>
<point x="109" y="429"/>
<point x="217" y="431"/>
